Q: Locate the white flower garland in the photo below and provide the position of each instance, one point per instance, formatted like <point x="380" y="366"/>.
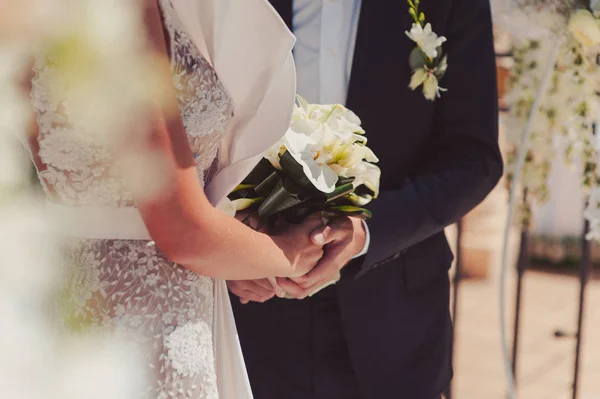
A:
<point x="565" y="122"/>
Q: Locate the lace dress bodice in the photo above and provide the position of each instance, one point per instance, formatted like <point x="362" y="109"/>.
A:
<point x="129" y="285"/>
<point x="76" y="171"/>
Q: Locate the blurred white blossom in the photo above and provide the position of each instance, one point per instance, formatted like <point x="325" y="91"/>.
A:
<point x="564" y="123"/>
<point x="584" y="28"/>
<point x="592" y="214"/>
<point x="98" y="46"/>
<point x="531" y="19"/>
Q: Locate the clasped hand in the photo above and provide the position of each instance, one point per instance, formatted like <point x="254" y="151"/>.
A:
<point x="317" y="258"/>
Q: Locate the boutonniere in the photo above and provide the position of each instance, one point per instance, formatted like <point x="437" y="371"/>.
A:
<point x="427" y="60"/>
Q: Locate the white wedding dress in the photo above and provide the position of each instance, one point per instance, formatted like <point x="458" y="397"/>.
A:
<point x="119" y="280"/>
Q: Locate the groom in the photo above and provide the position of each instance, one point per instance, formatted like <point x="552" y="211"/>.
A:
<point x="384" y="331"/>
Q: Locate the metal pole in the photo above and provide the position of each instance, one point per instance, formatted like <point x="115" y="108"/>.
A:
<point x="521" y="155"/>
<point x="584" y="271"/>
<point x="522" y="264"/>
<point x="456" y="284"/>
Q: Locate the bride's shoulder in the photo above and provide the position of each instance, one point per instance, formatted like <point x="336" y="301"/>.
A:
<point x="230" y="33"/>
<point x="251" y="33"/>
<point x="246" y="17"/>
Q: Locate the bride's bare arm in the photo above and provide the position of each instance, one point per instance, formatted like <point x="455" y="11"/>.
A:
<point x="187" y="228"/>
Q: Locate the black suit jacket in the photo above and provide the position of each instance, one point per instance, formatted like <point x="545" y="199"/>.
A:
<point x="438" y="160"/>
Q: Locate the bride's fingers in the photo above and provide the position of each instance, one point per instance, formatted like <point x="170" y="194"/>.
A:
<point x="279" y="291"/>
<point x="292" y="288"/>
<point x="257" y="289"/>
<point x="253" y="296"/>
<point x="250" y="290"/>
<point x="265" y="283"/>
<point x="328" y="266"/>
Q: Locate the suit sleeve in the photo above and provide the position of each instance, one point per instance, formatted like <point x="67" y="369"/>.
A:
<point x="464" y="162"/>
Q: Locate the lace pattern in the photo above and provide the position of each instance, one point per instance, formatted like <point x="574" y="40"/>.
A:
<point x="131" y="287"/>
<point x="126" y="285"/>
<point x="73" y="169"/>
<point x="205" y="107"/>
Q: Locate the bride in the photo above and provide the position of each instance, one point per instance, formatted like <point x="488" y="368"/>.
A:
<point x="154" y="268"/>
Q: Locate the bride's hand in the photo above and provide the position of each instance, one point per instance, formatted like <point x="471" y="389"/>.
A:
<point x="295" y="242"/>
<point x="260" y="290"/>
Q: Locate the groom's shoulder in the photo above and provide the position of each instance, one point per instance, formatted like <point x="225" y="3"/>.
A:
<point x="451" y="15"/>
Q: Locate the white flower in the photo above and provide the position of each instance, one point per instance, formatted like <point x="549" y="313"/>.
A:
<point x="274" y="153"/>
<point x="368" y="174"/>
<point x="427" y="40"/>
<point x="328" y="142"/>
<point x="418" y="78"/>
<point x="584" y="28"/>
<point x="226" y="205"/>
<point x="339" y="118"/>
<point x="431" y="88"/>
<point x="232" y="207"/>
<point x="360" y="200"/>
<point x="306" y="152"/>
<point x="426" y="77"/>
<point x="592" y="211"/>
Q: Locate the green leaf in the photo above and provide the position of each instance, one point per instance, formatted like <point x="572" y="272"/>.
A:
<point x="441" y="62"/>
<point x="294" y="172"/>
<point x="340" y="191"/>
<point x="277" y="201"/>
<point x="243" y="193"/>
<point x="260" y="172"/>
<point x="243" y="187"/>
<point x="413" y="14"/>
<point x="359" y="200"/>
<point x="350" y="210"/>
<point x="345" y="180"/>
<point x="293" y="187"/>
<point x="292" y="169"/>
<point x="245" y="203"/>
<point x="265" y="187"/>
<point x="417" y="59"/>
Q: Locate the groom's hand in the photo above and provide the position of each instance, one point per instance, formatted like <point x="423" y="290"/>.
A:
<point x="343" y="238"/>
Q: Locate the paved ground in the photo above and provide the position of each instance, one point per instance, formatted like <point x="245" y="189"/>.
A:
<point x="545" y="364"/>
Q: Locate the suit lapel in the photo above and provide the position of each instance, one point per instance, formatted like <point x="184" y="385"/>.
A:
<point x="285" y="9"/>
<point x="380" y="45"/>
<point x="359" y="62"/>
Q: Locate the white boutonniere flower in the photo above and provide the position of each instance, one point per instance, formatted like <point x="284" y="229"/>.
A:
<point x="427" y="60"/>
<point x="426" y="39"/>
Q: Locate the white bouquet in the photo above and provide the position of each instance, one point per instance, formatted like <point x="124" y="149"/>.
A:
<point x="321" y="164"/>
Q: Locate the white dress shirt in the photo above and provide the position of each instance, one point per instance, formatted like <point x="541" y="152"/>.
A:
<point x="326" y="36"/>
<point x="325" y="40"/>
